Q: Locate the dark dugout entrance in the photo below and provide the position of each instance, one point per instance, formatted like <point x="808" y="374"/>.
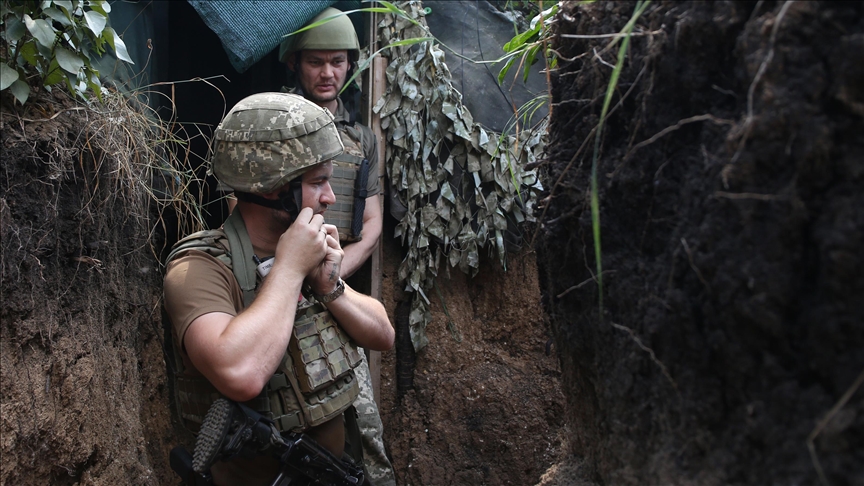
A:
<point x="198" y="82"/>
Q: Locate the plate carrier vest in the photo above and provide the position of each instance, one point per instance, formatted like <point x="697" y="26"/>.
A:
<point x="350" y="175"/>
<point x="315" y="381"/>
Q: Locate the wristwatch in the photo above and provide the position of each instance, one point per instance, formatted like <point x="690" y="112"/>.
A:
<point x="326" y="299"/>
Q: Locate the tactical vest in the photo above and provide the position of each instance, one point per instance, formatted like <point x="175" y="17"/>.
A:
<point x="350" y="175"/>
<point x="315" y="381"/>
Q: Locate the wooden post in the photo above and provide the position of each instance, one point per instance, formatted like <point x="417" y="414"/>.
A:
<point x="375" y="86"/>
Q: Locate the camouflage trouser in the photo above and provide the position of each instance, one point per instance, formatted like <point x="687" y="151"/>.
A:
<point x="378" y="468"/>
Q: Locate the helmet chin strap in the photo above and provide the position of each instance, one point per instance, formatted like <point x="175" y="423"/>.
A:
<point x="290" y="201"/>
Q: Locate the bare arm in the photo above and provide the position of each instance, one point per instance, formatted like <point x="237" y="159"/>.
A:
<point x="361" y="316"/>
<point x="357" y="253"/>
<point x="239" y="354"/>
<point x="364" y="319"/>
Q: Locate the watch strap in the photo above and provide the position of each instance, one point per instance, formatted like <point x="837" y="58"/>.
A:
<point x="327" y="298"/>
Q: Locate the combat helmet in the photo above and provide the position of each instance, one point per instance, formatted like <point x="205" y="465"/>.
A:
<point x="269" y="139"/>
<point x="335" y="35"/>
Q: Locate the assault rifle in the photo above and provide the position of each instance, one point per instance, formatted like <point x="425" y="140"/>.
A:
<point x="231" y="429"/>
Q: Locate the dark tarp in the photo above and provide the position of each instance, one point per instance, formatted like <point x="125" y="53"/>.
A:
<point x="138" y="23"/>
<point x="250" y="29"/>
<point x="478" y="31"/>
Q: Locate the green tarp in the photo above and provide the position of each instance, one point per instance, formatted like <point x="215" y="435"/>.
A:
<point x="250" y="29"/>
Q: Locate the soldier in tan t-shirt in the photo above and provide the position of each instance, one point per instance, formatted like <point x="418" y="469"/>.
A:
<point x="274" y="149"/>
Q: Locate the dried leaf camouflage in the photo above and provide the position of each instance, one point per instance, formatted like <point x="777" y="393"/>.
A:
<point x="465" y="189"/>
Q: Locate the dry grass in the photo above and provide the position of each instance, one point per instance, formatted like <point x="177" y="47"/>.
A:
<point x="153" y="163"/>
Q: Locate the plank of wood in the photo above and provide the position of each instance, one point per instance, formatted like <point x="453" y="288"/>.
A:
<point x="377" y="84"/>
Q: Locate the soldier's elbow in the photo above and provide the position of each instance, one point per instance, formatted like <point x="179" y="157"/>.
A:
<point x="241" y="387"/>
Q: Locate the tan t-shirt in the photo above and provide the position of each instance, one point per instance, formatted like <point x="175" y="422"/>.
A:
<point x="197" y="284"/>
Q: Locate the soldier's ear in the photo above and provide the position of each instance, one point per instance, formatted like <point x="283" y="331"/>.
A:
<point x="292" y="60"/>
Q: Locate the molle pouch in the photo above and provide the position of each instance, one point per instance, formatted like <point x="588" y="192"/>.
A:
<point x="321" y="352"/>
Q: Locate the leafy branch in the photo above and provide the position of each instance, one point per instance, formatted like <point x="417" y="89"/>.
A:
<point x="56" y="41"/>
<point x="525" y="46"/>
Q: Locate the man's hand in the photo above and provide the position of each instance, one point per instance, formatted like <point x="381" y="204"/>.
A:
<point x="303" y="246"/>
<point x="324" y="277"/>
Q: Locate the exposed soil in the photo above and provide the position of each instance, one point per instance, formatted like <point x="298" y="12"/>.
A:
<point x="85" y="396"/>
<point x="730" y="189"/>
<point x="83" y="376"/>
<point x="731" y="329"/>
<point x="486" y="401"/>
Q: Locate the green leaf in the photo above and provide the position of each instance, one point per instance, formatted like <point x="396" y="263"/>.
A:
<point x="513" y="44"/>
<point x="520" y="40"/>
<point x="101" y="6"/>
<point x="409" y="42"/>
<point x="503" y="73"/>
<point x="41" y="30"/>
<point x="7" y="76"/>
<point x="96" y="86"/>
<point x="68" y="60"/>
<point x="20" y="90"/>
<point x="530" y="59"/>
<point x="118" y="45"/>
<point x="66" y="5"/>
<point x="29" y="53"/>
<point x="15" y="29"/>
<point x="71" y="82"/>
<point x="43" y="54"/>
<point x="92" y="46"/>
<point x="95" y="22"/>
<point x="54" y="74"/>
<point x="367" y="62"/>
<point x="58" y="16"/>
<point x="389" y="8"/>
<point x="595" y="198"/>
<point x="396" y="11"/>
<point x="77" y="8"/>
<point x="317" y="24"/>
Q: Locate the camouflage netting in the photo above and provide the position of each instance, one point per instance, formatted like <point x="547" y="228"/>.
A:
<point x="464" y="189"/>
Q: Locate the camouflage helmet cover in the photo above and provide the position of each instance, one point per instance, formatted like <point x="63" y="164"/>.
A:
<point x="335" y="35"/>
<point x="268" y="139"/>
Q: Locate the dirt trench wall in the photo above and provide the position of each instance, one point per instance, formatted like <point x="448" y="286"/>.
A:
<point x="85" y="396"/>
<point x="730" y="189"/>
<point x="83" y="374"/>
<point x="484" y="405"/>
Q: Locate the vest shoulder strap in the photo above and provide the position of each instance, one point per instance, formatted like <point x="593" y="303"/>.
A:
<point x="231" y="246"/>
<point x="212" y="242"/>
<point x="241" y="260"/>
<point x="356" y="136"/>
